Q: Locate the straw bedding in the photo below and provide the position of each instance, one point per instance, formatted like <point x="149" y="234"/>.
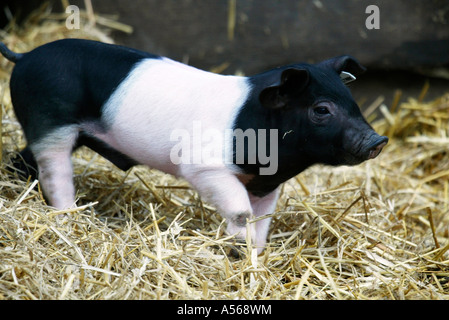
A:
<point x="379" y="230"/>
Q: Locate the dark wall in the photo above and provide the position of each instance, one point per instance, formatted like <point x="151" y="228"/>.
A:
<point x="16" y="9"/>
<point x="413" y="34"/>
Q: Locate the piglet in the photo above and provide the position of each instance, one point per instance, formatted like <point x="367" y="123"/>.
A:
<point x="234" y="139"/>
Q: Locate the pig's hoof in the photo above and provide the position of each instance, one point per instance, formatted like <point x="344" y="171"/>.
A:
<point x="241" y="219"/>
<point x="237" y="252"/>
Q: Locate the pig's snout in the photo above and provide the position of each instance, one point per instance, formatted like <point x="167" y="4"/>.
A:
<point x="376" y="147"/>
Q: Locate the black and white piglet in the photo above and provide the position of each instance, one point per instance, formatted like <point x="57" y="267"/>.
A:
<point x="137" y="108"/>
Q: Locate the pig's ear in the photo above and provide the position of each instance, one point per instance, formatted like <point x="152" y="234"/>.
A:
<point x="345" y="63"/>
<point x="291" y="83"/>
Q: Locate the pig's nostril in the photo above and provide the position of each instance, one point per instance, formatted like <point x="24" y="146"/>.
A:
<point x="375" y="150"/>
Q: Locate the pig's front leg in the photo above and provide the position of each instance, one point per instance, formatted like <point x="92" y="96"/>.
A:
<point x="224" y="190"/>
<point x="263" y="206"/>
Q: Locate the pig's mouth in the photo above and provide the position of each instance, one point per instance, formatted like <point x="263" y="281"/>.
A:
<point x="369" y="150"/>
<point x="376" y="147"/>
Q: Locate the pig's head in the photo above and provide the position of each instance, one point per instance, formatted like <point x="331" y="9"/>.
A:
<point x="317" y="118"/>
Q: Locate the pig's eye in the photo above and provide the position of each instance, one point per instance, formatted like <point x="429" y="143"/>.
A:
<point x="321" y="110"/>
<point x="321" y="113"/>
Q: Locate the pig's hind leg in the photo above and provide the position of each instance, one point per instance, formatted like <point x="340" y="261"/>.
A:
<point x="53" y="157"/>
